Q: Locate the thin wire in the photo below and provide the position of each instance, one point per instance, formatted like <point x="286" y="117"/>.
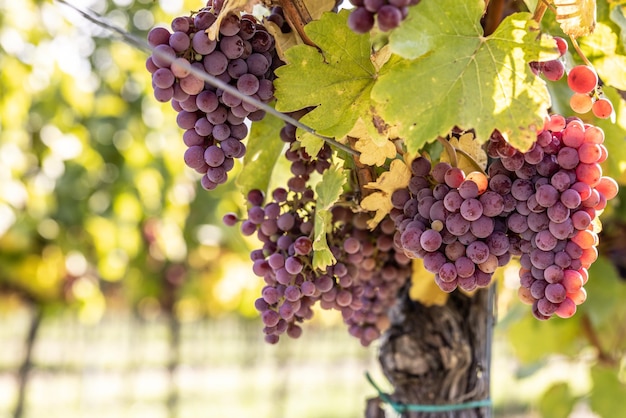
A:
<point x="215" y="82"/>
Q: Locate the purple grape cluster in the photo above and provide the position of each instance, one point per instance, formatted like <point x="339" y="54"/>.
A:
<point x="388" y="14"/>
<point x="380" y="270"/>
<point x="363" y="283"/>
<point x="558" y="188"/>
<point x="243" y="56"/>
<point x="453" y="224"/>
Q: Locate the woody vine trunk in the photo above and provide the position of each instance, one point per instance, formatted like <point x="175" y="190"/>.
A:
<point x="439" y="355"/>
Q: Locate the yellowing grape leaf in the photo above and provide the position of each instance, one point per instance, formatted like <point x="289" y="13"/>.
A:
<point x="470" y="147"/>
<point x="397" y="177"/>
<point x="328" y="191"/>
<point x="423" y="287"/>
<point x="337" y="80"/>
<point x="372" y="153"/>
<point x="456" y="76"/>
<point x="576" y="17"/>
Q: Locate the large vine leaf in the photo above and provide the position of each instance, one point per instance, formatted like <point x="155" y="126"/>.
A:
<point x="337" y="80"/>
<point x="456" y="76"/>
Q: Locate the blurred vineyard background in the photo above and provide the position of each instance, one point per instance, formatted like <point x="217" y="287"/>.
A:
<point x="122" y="294"/>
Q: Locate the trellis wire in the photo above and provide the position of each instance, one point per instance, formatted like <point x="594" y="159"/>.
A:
<point x="215" y="82"/>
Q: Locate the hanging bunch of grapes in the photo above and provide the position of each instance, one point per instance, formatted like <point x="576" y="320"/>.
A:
<point x="386" y="172"/>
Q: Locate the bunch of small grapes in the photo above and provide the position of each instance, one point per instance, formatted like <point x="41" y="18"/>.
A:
<point x="559" y="189"/>
<point x="376" y="271"/>
<point x="388" y="14"/>
<point x="243" y="56"/>
<point x="284" y="226"/>
<point x="581" y="79"/>
<point x="363" y="282"/>
<point x="587" y="96"/>
<point x="454" y="222"/>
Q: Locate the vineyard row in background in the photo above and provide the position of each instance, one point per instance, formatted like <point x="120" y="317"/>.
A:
<point x="119" y="368"/>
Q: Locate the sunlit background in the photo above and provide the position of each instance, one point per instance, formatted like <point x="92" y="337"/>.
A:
<point x="123" y="295"/>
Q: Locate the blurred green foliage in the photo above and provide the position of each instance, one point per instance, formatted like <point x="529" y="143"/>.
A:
<point x="93" y="187"/>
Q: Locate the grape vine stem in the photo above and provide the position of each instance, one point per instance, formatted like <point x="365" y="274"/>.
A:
<point x="591" y="335"/>
<point x="580" y="53"/>
<point x="141" y="45"/>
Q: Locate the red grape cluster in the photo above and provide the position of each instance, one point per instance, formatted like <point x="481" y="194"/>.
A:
<point x="243" y="56"/>
<point x="559" y="189"/>
<point x="587" y="96"/>
<point x="454" y="223"/>
<point x="540" y="205"/>
<point x="388" y="14"/>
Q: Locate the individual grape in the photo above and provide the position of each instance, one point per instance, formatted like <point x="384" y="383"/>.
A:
<point x="454" y="177"/>
<point x="553" y="70"/>
<point x="464" y="267"/>
<point x="581" y="102"/>
<point x="179" y="41"/>
<point x="389" y="17"/>
<point x="230" y="25"/>
<point x="471" y="209"/>
<point x="360" y="20"/>
<point x="214" y="156"/>
<point x="582" y="79"/>
<point x="482" y="227"/>
<point x="163" y="78"/>
<point x="607" y="187"/>
<point x="231" y="46"/>
<point x="430" y="240"/>
<point x="589" y="173"/>
<point x="248" y="84"/>
<point x="602" y="108"/>
<point x="163" y="55"/>
<point x="158" y="36"/>
<point x="478" y="252"/>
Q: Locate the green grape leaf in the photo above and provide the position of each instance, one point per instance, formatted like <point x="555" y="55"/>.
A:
<point x="336" y="80"/>
<point x="312" y="144"/>
<point x="608" y="392"/>
<point x="328" y="191"/>
<point x="532" y="340"/>
<point x="603" y="288"/>
<point x="456" y="76"/>
<point x="264" y="147"/>
<point x="557" y="402"/>
<point x="618" y="16"/>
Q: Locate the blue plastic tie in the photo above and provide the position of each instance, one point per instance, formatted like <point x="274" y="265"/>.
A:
<point x="402" y="407"/>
